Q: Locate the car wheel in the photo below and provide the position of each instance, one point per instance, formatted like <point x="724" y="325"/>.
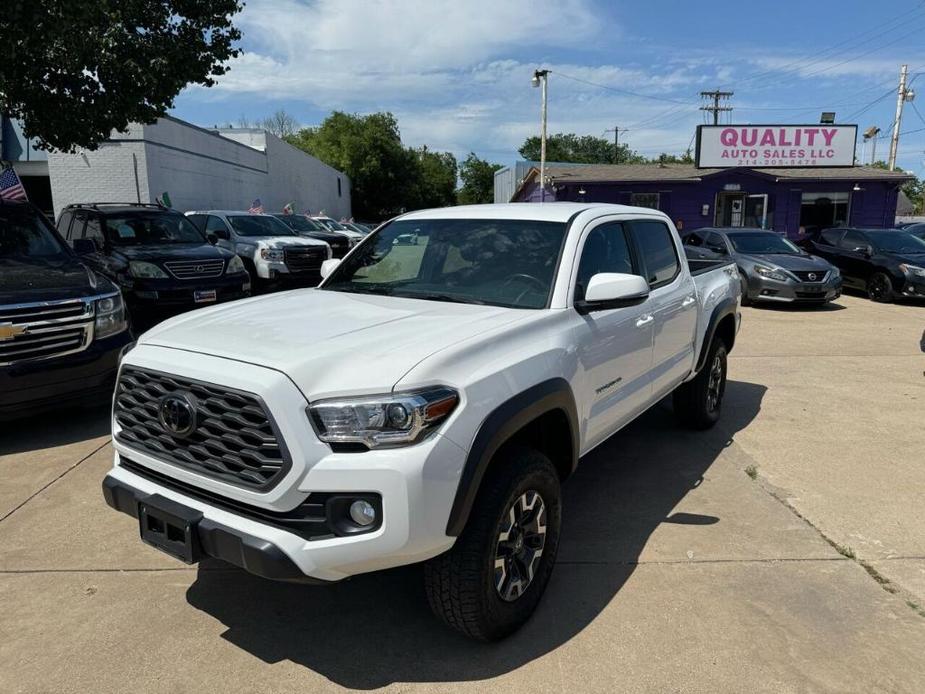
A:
<point x="698" y="403"/>
<point x="880" y="288"/>
<point x="492" y="579"/>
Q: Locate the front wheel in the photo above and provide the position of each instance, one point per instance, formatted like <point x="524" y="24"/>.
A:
<point x="880" y="288"/>
<point x="698" y="403"/>
<point x="492" y="579"/>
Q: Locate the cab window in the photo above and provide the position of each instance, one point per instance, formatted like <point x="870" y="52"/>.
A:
<point x="831" y="237"/>
<point x="659" y="255"/>
<point x="852" y="241"/>
<point x="64" y="224"/>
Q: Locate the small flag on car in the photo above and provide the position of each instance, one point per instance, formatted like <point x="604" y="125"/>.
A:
<point x="256" y="207"/>
<point x="163" y="200"/>
<point x="11" y="187"/>
<point x="288" y="209"/>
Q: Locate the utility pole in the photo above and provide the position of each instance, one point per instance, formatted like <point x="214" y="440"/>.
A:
<point x="541" y="77"/>
<point x="715" y="109"/>
<point x="902" y="96"/>
<point x="616" y="130"/>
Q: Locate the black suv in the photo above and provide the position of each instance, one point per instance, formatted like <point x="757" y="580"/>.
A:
<point x="309" y="228"/>
<point x="62" y="326"/>
<point x="161" y="261"/>
<point x="885" y="263"/>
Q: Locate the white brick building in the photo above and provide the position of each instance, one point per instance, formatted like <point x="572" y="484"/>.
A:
<point x="200" y="169"/>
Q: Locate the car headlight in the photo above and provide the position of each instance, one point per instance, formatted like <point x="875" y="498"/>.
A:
<point x="834" y="273"/>
<point x="912" y="270"/>
<point x="383" y="421"/>
<point x="110" y="316"/>
<point x="147" y="271"/>
<point x="235" y="266"/>
<point x="272" y="255"/>
<point x="771" y="273"/>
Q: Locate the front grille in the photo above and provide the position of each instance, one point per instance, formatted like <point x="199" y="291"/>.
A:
<point x="339" y="248"/>
<point x="305" y="259"/>
<point x="804" y="275"/>
<point x="235" y="439"/>
<point x="195" y="269"/>
<point x="45" y="330"/>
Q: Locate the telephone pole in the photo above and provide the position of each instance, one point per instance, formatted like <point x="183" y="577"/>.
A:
<point x="715" y="108"/>
<point x="902" y="96"/>
<point x="540" y="78"/>
<point x="616" y="130"/>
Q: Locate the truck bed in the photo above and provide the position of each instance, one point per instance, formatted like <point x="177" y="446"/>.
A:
<point x="699" y="266"/>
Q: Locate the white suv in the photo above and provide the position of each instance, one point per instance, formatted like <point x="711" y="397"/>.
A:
<point x="501" y="345"/>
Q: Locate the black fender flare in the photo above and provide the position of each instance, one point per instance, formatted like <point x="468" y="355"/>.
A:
<point x="498" y="427"/>
<point x="726" y="307"/>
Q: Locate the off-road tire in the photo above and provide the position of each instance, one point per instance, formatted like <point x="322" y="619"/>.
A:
<point x="698" y="403"/>
<point x="461" y="583"/>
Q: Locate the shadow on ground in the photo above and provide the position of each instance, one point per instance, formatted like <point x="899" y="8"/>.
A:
<point x="376" y="629"/>
<point x="53" y="429"/>
<point x="798" y="308"/>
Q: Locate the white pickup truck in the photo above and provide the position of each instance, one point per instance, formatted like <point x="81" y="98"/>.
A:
<point x="424" y="403"/>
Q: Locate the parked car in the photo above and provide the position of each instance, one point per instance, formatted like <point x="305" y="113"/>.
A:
<point x="333" y="225"/>
<point x="272" y="252"/>
<point x="917" y="230"/>
<point x="884" y="263"/>
<point x="160" y="261"/>
<point x="62" y="325"/>
<point x="771" y="268"/>
<point x="516" y="339"/>
<point x="310" y="229"/>
<point x="359" y="228"/>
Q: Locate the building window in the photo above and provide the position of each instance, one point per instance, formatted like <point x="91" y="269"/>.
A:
<point x="649" y="200"/>
<point x="338" y="187"/>
<point x="823" y="210"/>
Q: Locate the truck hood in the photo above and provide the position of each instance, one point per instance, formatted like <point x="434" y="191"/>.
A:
<point x="172" y="251"/>
<point x="330" y="343"/>
<point x="280" y="241"/>
<point x="32" y="280"/>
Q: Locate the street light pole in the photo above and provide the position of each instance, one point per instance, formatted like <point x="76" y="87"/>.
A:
<point x="541" y="77"/>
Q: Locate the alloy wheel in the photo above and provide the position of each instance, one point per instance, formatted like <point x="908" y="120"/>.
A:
<point x="715" y="384"/>
<point x="520" y="543"/>
<point x="878" y="287"/>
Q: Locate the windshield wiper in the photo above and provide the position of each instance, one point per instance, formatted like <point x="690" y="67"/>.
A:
<point x="450" y="298"/>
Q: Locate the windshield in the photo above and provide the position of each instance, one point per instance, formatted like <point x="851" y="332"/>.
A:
<point x="331" y="224"/>
<point x="151" y="229"/>
<point x="25" y="234"/>
<point x="479" y="261"/>
<point x="299" y="223"/>
<point x="763" y="242"/>
<point x="917" y="230"/>
<point x="259" y="225"/>
<point x="896" y="242"/>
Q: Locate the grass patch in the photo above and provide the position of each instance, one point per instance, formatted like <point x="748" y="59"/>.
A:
<point x="752" y="472"/>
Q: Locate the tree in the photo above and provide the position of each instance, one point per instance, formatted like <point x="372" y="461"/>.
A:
<point x="663" y="158"/>
<point x="478" y="180"/>
<point x="281" y="124"/>
<point x="436" y="179"/>
<point x="914" y="189"/>
<point x="77" y="70"/>
<point x="579" y="149"/>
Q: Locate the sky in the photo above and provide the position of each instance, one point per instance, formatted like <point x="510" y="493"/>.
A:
<point x="457" y="73"/>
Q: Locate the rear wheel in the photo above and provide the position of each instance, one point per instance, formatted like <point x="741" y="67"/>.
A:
<point x="492" y="579"/>
<point x="880" y="288"/>
<point x="698" y="403"/>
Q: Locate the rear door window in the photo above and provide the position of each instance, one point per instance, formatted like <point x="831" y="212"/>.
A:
<point x="659" y="255"/>
<point x="852" y="241"/>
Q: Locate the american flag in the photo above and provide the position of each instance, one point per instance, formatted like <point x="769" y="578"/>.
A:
<point x="11" y="187"/>
<point x="256" y="207"/>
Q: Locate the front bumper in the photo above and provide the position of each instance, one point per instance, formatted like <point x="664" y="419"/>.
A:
<point x="172" y="295"/>
<point x="87" y="376"/>
<point x="914" y="287"/>
<point x="766" y="289"/>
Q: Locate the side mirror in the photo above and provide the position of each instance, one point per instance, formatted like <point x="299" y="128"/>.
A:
<point x="868" y="251"/>
<point x="212" y="238"/>
<point x="608" y="290"/>
<point x="85" y="246"/>
<point x="328" y="266"/>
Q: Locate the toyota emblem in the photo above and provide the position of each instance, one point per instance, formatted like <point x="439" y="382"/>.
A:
<point x="177" y="414"/>
<point x="812" y="276"/>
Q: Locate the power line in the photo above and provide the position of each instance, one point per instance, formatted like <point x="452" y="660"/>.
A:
<point x="618" y="91"/>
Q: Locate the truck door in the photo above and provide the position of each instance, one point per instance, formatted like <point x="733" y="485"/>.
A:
<point x="672" y="304"/>
<point x="614" y="346"/>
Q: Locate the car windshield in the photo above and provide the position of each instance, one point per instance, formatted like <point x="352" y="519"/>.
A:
<point x="896" y="241"/>
<point x="762" y="242"/>
<point x="152" y="229"/>
<point x="331" y="224"/>
<point x="299" y="222"/>
<point x="259" y="225"/>
<point x="917" y="230"/>
<point x="478" y="261"/>
<point x="25" y="234"/>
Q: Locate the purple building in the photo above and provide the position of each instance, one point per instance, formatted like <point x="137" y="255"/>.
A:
<point x="783" y="199"/>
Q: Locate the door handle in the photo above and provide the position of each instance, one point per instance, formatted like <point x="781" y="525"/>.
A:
<point x="688" y="300"/>
<point x="643" y="321"/>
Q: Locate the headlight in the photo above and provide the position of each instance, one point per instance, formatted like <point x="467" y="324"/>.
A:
<point x="271" y="255"/>
<point x="110" y="316"/>
<point x="148" y="271"/>
<point x="912" y="270"/>
<point x="835" y="273"/>
<point x="382" y="421"/>
<point x="771" y="273"/>
<point x="235" y="266"/>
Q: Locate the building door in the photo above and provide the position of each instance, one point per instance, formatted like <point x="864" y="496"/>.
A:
<point x="730" y="209"/>
<point x="756" y="211"/>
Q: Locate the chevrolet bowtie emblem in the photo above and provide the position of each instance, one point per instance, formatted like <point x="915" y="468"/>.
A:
<point x="8" y="331"/>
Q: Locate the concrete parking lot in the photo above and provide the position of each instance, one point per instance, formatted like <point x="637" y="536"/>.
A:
<point x="783" y="551"/>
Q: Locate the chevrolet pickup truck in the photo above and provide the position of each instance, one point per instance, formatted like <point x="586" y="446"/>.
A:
<point x="424" y="403"/>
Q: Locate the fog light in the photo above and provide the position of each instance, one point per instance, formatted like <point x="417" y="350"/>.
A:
<point x="362" y="513"/>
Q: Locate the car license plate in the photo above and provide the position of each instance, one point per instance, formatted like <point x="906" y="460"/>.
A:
<point x="203" y="296"/>
<point x="170" y="527"/>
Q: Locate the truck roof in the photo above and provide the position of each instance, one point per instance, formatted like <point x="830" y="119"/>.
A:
<point x="541" y="212"/>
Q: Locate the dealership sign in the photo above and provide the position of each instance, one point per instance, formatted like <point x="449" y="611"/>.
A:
<point x="720" y="146"/>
